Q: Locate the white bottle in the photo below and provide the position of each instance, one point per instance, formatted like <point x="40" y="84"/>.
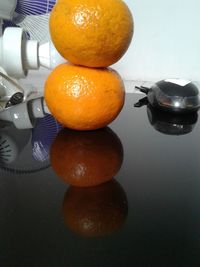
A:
<point x="18" y="55"/>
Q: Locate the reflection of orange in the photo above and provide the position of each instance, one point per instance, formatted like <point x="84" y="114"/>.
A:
<point x="86" y="158"/>
<point x="95" y="211"/>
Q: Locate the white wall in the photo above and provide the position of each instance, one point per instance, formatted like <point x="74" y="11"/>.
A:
<point x="166" y="41"/>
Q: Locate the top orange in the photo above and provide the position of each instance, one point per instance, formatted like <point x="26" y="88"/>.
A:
<point x="92" y="33"/>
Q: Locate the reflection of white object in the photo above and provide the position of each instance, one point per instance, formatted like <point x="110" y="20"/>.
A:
<point x="24" y="114"/>
<point x="18" y="55"/>
<point x="11" y="143"/>
<point x="16" y="155"/>
<point x="8" y="149"/>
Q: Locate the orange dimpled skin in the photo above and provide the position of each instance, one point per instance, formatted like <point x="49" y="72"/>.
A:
<point x="82" y="98"/>
<point x="93" y="33"/>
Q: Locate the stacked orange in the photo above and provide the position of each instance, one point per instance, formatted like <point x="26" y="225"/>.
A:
<point x="91" y="35"/>
<point x="85" y="94"/>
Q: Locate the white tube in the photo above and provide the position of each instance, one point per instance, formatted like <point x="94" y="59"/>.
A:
<point x="49" y="56"/>
<point x="30" y="57"/>
<point x="11" y="52"/>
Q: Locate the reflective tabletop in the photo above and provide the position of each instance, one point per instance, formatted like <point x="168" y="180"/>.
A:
<point x="141" y="210"/>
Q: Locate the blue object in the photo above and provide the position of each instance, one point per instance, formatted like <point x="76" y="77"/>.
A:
<point x="34" y="7"/>
<point x="43" y="134"/>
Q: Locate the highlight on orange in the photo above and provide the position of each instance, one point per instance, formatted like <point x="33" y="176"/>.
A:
<point x="86" y="158"/>
<point x="95" y="211"/>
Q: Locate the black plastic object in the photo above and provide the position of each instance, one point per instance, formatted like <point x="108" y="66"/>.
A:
<point x="174" y="95"/>
<point x="17" y="98"/>
<point x="171" y="124"/>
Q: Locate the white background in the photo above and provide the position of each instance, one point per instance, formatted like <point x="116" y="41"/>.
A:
<point x="166" y="44"/>
<point x="166" y="41"/>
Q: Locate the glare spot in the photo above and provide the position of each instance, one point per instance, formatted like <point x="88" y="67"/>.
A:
<point x="87" y="224"/>
<point x="79" y="18"/>
<point x="177" y="104"/>
<point x="76" y="89"/>
<point x="16" y="116"/>
<point x="80" y="170"/>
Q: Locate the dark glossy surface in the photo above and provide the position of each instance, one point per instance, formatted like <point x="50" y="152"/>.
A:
<point x="155" y="203"/>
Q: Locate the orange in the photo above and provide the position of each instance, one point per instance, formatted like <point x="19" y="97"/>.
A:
<point x="86" y="158"/>
<point x="93" y="33"/>
<point x="95" y="211"/>
<point x="82" y="98"/>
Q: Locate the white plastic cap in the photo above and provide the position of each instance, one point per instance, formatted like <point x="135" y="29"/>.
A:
<point x="31" y="54"/>
<point x="49" y="56"/>
<point x="17" y="54"/>
<point x="11" y="52"/>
